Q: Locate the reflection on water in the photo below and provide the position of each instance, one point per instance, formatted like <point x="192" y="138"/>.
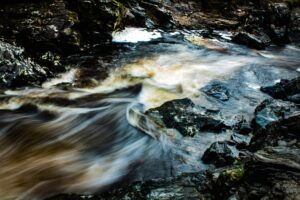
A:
<point x="55" y="139"/>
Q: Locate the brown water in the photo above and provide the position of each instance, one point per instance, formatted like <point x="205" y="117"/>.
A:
<point x="58" y="139"/>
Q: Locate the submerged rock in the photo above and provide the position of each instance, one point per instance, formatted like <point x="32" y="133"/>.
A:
<point x="186" y="117"/>
<point x="217" y="90"/>
<point x="285" y="90"/>
<point x="220" y="154"/>
<point x="16" y="70"/>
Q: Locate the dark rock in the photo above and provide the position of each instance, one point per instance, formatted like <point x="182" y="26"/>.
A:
<point x="278" y="13"/>
<point x="285" y="90"/>
<point x="286" y="130"/>
<point x="202" y="185"/>
<point x="66" y="27"/>
<point x="99" y="18"/>
<point x="52" y="61"/>
<point x="186" y="186"/>
<point x="243" y="127"/>
<point x="279" y="34"/>
<point x="294" y="29"/>
<point x="250" y="40"/>
<point x="220" y="154"/>
<point x="217" y="90"/>
<point x="186" y="117"/>
<point x="16" y="70"/>
<point x="272" y="110"/>
<point x="40" y="25"/>
<point x="278" y="16"/>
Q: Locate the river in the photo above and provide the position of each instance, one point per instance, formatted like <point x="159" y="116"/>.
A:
<point x="67" y="137"/>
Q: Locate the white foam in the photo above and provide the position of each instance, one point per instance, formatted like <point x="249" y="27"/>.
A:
<point x="134" y="35"/>
<point x="67" y="77"/>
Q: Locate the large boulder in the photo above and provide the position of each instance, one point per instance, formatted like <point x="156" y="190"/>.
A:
<point x="16" y="70"/>
<point x="186" y="117"/>
<point x="251" y="40"/>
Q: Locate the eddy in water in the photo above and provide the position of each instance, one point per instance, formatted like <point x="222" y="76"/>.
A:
<point x="80" y="140"/>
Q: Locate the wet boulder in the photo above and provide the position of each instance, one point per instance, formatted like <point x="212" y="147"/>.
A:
<point x="251" y="40"/>
<point x="16" y="70"/>
<point x="284" y="132"/>
<point x="186" y="117"/>
<point x="220" y="154"/>
<point x="285" y="90"/>
<point x="272" y="110"/>
<point x="218" y="90"/>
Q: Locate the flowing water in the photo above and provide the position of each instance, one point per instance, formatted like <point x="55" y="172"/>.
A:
<point x="67" y="137"/>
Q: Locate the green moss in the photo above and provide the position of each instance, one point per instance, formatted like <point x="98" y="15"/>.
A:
<point x="231" y="176"/>
<point x="235" y="174"/>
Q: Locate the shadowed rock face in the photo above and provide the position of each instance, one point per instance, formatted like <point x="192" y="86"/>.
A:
<point x="40" y="25"/>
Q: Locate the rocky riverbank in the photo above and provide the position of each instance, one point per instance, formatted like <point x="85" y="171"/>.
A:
<point x="260" y="161"/>
<point x="259" y="157"/>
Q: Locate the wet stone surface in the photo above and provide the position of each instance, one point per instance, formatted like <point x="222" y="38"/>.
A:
<point x="186" y="117"/>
